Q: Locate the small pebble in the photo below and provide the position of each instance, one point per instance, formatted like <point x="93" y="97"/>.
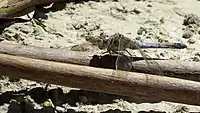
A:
<point x="162" y="54"/>
<point x="138" y="38"/>
<point x="136" y="11"/>
<point x="195" y="59"/>
<point x="197" y="54"/>
<point x="150" y="35"/>
<point x="141" y="31"/>
<point x="191" y="19"/>
<point x="1" y="39"/>
<point x="162" y="20"/>
<point x="187" y="34"/>
<point x="191" y="41"/>
<point x="149" y="5"/>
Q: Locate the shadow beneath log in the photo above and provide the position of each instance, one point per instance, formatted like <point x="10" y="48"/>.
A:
<point x="162" y="67"/>
<point x="5" y="22"/>
<point x="124" y="63"/>
<point x="116" y="111"/>
<point x="58" y="97"/>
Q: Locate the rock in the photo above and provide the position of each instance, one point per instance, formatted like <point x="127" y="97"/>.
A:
<point x="195" y="59"/>
<point x="191" y="41"/>
<point x="141" y="31"/>
<point x="149" y="5"/>
<point x="187" y="34"/>
<point x="137" y="11"/>
<point x="191" y="19"/>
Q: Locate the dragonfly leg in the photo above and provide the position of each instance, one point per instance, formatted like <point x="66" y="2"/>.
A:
<point x="128" y="52"/>
<point x="123" y="61"/>
<point x="110" y="53"/>
<point x="129" y="58"/>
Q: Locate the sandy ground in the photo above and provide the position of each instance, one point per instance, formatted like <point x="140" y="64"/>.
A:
<point x="69" y="24"/>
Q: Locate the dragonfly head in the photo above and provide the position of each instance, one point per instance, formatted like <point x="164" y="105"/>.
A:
<point x="114" y="43"/>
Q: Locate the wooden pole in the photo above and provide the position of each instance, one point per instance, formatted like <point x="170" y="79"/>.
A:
<point x="102" y="80"/>
<point x="51" y="54"/>
<point x="171" y="68"/>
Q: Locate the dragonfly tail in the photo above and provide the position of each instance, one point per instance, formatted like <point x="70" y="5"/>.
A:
<point x="154" y="45"/>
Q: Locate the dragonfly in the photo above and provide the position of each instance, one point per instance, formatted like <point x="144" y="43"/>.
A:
<point x="118" y="44"/>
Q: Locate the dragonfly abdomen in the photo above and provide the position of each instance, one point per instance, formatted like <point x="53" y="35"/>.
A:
<point x="157" y="45"/>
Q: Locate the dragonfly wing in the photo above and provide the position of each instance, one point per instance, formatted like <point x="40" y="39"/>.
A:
<point x="122" y="61"/>
<point x="150" y="63"/>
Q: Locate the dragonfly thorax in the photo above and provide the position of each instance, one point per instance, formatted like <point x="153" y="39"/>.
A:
<point x="118" y="42"/>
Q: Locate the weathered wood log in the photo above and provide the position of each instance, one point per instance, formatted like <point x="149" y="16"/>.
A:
<point x="173" y="68"/>
<point x="51" y="54"/>
<point x="102" y="80"/>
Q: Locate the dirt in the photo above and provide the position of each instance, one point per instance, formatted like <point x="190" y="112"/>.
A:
<point x="70" y="25"/>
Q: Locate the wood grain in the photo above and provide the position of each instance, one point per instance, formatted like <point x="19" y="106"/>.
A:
<point x="171" y="68"/>
<point x="102" y="80"/>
